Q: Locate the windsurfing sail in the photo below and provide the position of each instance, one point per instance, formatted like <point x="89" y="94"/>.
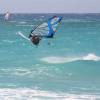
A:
<point x="48" y="28"/>
<point x="7" y="15"/>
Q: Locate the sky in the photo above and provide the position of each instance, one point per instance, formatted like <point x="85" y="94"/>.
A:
<point x="50" y="6"/>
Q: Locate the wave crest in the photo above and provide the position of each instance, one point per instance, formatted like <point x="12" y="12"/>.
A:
<point x="55" y="59"/>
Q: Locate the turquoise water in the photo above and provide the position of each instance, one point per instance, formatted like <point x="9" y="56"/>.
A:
<point x="67" y="69"/>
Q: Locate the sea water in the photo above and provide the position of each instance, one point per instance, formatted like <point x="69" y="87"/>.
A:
<point x="66" y="69"/>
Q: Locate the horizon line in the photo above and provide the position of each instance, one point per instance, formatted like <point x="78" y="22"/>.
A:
<point x="53" y="13"/>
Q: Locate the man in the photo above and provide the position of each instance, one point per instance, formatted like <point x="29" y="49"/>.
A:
<point x="35" y="39"/>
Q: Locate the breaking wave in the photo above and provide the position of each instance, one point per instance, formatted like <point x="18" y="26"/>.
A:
<point x="30" y="94"/>
<point x="55" y="59"/>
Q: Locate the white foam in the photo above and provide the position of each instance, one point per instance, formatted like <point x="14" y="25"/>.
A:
<point x="23" y="22"/>
<point x="16" y="71"/>
<point x="26" y="25"/>
<point x="30" y="94"/>
<point x="9" y="41"/>
<point x="57" y="59"/>
<point x="91" y="56"/>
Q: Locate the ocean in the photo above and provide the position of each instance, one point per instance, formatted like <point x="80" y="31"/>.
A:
<point x="67" y="69"/>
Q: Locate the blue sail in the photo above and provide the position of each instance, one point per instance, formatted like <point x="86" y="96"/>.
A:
<point x="48" y="28"/>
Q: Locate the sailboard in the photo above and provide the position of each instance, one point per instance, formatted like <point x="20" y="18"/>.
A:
<point x="22" y="35"/>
